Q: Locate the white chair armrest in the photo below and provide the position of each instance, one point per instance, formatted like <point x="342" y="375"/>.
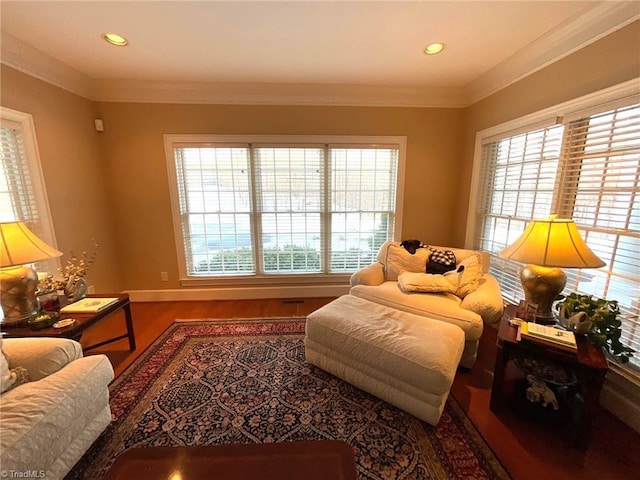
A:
<point x="370" y="275"/>
<point x="486" y="301"/>
<point x="41" y="356"/>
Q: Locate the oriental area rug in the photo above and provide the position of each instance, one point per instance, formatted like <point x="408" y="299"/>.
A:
<point x="246" y="381"/>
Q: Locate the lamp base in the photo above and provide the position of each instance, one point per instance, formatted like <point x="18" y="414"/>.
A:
<point x="18" y="294"/>
<point x="541" y="286"/>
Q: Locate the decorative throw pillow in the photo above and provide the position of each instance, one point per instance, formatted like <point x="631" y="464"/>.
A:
<point x="398" y="260"/>
<point x="441" y="261"/>
<point x="428" y="283"/>
<point x="469" y="273"/>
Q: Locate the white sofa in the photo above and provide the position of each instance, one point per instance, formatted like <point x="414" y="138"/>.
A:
<point x="468" y="299"/>
<point x="48" y="423"/>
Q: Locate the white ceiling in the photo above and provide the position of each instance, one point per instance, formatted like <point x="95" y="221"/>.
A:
<point x="298" y="49"/>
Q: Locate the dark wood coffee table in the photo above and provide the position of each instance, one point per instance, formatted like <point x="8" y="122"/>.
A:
<point x="82" y="322"/>
<point x="308" y="460"/>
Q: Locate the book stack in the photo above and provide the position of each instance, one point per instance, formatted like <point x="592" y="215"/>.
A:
<point x="549" y="336"/>
<point x="89" y="305"/>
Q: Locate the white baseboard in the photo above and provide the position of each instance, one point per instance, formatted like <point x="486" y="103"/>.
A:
<point x="621" y="396"/>
<point x="236" y="293"/>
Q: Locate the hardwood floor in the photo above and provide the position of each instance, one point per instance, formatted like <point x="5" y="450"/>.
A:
<point x="526" y="449"/>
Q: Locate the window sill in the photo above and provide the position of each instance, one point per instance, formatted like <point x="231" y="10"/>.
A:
<point x="266" y="280"/>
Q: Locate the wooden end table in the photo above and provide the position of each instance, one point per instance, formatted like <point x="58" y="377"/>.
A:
<point x="82" y="322"/>
<point x="588" y="364"/>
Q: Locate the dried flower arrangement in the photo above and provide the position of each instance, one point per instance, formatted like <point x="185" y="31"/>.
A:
<point x="76" y="268"/>
<point x="71" y="279"/>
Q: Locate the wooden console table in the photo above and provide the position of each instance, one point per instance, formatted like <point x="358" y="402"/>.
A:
<point x="82" y="322"/>
<point x="588" y="365"/>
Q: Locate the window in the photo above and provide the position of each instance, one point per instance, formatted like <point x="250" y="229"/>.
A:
<point x="268" y="206"/>
<point x="520" y="172"/>
<point x="585" y="167"/>
<point x="22" y="192"/>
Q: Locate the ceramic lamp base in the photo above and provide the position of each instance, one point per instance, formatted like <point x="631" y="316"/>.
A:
<point x="541" y="286"/>
<point x="18" y="294"/>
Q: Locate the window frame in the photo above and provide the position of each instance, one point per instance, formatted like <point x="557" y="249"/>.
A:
<point x="611" y="97"/>
<point x="172" y="141"/>
<point x="617" y="96"/>
<point x="24" y="121"/>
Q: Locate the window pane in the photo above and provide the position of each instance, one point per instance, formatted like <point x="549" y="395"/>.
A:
<point x="362" y="204"/>
<point x="215" y="201"/>
<point x="17" y="201"/>
<point x="519" y="177"/>
<point x="19" y="197"/>
<point x="602" y="192"/>
<point x="291" y="197"/>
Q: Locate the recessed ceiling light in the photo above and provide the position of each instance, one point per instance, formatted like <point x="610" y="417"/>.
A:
<point x="434" y="48"/>
<point x="115" y="39"/>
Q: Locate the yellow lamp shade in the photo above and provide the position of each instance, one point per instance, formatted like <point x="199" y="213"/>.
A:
<point x="19" y="245"/>
<point x="554" y="242"/>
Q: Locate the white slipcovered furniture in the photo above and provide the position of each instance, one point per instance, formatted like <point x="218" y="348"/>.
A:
<point x="407" y="360"/>
<point x="47" y="423"/>
<point x="467" y="299"/>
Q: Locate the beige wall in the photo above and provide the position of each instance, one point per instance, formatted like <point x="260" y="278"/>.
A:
<point x="73" y="169"/>
<point x="609" y="61"/>
<point x="134" y="152"/>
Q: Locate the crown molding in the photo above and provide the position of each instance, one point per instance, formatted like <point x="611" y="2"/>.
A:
<point x="23" y="57"/>
<point x="26" y="59"/>
<point x="585" y="29"/>
<point x="278" y="94"/>
<point x="594" y="24"/>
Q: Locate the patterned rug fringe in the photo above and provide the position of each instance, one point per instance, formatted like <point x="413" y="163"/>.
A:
<point x="240" y="319"/>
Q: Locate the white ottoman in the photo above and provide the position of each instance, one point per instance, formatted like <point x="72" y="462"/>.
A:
<point x="405" y="359"/>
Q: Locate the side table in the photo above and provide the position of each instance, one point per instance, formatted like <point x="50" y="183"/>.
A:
<point x="82" y="322"/>
<point x="588" y="364"/>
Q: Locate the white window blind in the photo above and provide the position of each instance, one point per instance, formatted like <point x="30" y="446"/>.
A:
<point x="22" y="193"/>
<point x="519" y="174"/>
<point x="362" y="208"/>
<point x="600" y="190"/>
<point x="290" y="196"/>
<point x="215" y="208"/>
<point x="17" y="201"/>
<point x="588" y="170"/>
<point x="264" y="209"/>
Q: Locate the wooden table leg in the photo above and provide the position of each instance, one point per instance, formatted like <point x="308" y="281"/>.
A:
<point x="497" y="400"/>
<point x="584" y="417"/>
<point x="130" y="332"/>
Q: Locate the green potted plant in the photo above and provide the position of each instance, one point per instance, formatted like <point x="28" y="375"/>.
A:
<point x="598" y="319"/>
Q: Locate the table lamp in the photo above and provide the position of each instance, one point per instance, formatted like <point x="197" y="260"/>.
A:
<point x="19" y="246"/>
<point x="547" y="246"/>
